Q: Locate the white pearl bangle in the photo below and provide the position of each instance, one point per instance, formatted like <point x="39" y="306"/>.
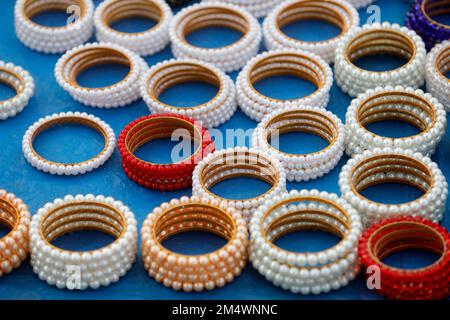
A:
<point x="144" y="43"/>
<point x="337" y="12"/>
<point x="75" y="270"/>
<point x="53" y="39"/>
<point x="297" y="63"/>
<point x="438" y="63"/>
<point x="374" y="39"/>
<point x="302" y="167"/>
<point x="238" y="162"/>
<point x="83" y="57"/>
<point x="360" y="3"/>
<point x="258" y="8"/>
<point x="21" y="81"/>
<point x="43" y="124"/>
<point x="228" y="58"/>
<point x="172" y="72"/>
<point x="305" y="273"/>
<point x="403" y="104"/>
<point x="394" y="165"/>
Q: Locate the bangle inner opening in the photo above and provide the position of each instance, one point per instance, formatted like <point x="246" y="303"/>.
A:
<point x="74" y="9"/>
<point x="9" y="217"/>
<point x="443" y="63"/>
<point x="438" y="11"/>
<point x="13" y="81"/>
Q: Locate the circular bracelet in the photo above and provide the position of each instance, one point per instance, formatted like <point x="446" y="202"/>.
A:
<point x="337" y="12"/>
<point x="84" y="119"/>
<point x="22" y="83"/>
<point x="194" y="273"/>
<point x="302" y="167"/>
<point x="14" y="246"/>
<point x="86" y="269"/>
<point x="54" y="39"/>
<point x="438" y="63"/>
<point x="258" y="8"/>
<point x="228" y="58"/>
<point x="405" y="233"/>
<point x="379" y="39"/>
<point x="305" y="273"/>
<point x="238" y="162"/>
<point x="120" y="94"/>
<point x="175" y="176"/>
<point x="394" y="166"/>
<point x="407" y="105"/>
<point x="172" y="72"/>
<point x="301" y="64"/>
<point x="144" y="43"/>
<point x="420" y="19"/>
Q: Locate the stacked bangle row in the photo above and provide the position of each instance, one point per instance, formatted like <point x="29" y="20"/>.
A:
<point x="258" y="8"/>
<point x="438" y="64"/>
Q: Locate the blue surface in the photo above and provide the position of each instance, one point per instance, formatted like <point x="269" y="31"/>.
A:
<point x="72" y="143"/>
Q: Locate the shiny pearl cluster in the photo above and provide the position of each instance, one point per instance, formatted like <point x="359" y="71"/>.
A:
<point x="228" y="58"/>
<point x="438" y="64"/>
<point x="14" y="245"/>
<point x="171" y="72"/>
<point x="394" y="165"/>
<point x="305" y="273"/>
<point x="117" y="95"/>
<point x="228" y="163"/>
<point x="144" y="43"/>
<point x="360" y="3"/>
<point x="53" y="39"/>
<point x="302" y="167"/>
<point x="384" y="38"/>
<point x="22" y="82"/>
<point x="301" y="63"/>
<point x="258" y="8"/>
<point x="86" y="269"/>
<point x="297" y="10"/>
<point x="68" y="169"/>
<point x="403" y="104"/>
<point x="200" y="272"/>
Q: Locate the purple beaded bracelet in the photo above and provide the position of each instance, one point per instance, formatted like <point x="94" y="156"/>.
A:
<point x="420" y="19"/>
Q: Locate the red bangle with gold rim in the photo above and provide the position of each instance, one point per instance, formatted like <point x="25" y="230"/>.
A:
<point x="393" y="235"/>
<point x="162" y="177"/>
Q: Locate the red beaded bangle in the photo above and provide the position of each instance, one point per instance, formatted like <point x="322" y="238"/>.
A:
<point x="164" y="177"/>
<point x="393" y="235"/>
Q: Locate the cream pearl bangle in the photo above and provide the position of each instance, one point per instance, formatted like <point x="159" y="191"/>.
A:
<point x="361" y="3"/>
<point x="228" y="58"/>
<point x="403" y="104"/>
<point x="120" y="94"/>
<point x="14" y="245"/>
<point x="379" y="38"/>
<point x="23" y="84"/>
<point x="53" y="39"/>
<point x="87" y="269"/>
<point x="394" y="165"/>
<point x="144" y="43"/>
<point x="305" y="273"/>
<point x="172" y="72"/>
<point x="296" y="63"/>
<point x="337" y="12"/>
<point x="201" y="272"/>
<point x="85" y="119"/>
<point x="258" y="8"/>
<point x="302" y="167"/>
<point x="438" y="63"/>
<point x="238" y="162"/>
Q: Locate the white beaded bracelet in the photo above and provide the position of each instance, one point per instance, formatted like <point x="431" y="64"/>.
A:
<point x="361" y="3"/>
<point x="144" y="43"/>
<point x="302" y="167"/>
<point x="378" y="38"/>
<point x="438" y="63"/>
<point x="394" y="165"/>
<point x="228" y="58"/>
<point x="21" y="81"/>
<point x="305" y="273"/>
<point x="403" y="104"/>
<point x="297" y="63"/>
<point x="172" y="72"/>
<point x="75" y="270"/>
<point x="337" y="12"/>
<point x="53" y="39"/>
<point x="238" y="162"/>
<point x="259" y="8"/>
<point x="43" y="124"/>
<point x="83" y="57"/>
